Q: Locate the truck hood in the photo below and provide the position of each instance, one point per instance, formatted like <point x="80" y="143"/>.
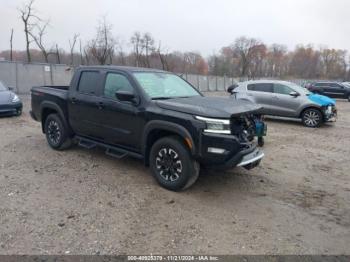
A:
<point x="5" y="97"/>
<point x="216" y="107"/>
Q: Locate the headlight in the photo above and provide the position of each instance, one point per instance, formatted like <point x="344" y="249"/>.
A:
<point x="329" y="110"/>
<point x="219" y="126"/>
<point x="15" y="99"/>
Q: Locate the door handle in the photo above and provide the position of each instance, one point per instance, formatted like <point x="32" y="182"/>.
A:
<point x="74" y="100"/>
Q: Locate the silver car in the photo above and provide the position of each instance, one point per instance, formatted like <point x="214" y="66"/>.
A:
<point x="285" y="99"/>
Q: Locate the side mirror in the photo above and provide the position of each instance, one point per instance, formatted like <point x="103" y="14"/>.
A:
<point x="294" y="94"/>
<point x="125" y="96"/>
<point x="231" y="88"/>
<point x="10" y="88"/>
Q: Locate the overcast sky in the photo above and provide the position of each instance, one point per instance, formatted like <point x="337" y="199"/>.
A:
<point x="189" y="25"/>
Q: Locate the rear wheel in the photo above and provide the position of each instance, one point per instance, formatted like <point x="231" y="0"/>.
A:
<point x="172" y="164"/>
<point x="312" y="117"/>
<point x="56" y="133"/>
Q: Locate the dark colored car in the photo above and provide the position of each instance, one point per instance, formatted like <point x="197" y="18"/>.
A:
<point x="10" y="104"/>
<point x="148" y="114"/>
<point x="331" y="89"/>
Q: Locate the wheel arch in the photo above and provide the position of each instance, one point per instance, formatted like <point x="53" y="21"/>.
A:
<point x="310" y="107"/>
<point x="47" y="108"/>
<point x="157" y="129"/>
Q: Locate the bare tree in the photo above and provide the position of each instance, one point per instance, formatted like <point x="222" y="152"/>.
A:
<point x="162" y="57"/>
<point x="72" y="44"/>
<point x="121" y="53"/>
<point x="102" y="47"/>
<point x="148" y="45"/>
<point x="81" y="53"/>
<point x="276" y="60"/>
<point x="11" y="45"/>
<point x="244" y="48"/>
<point x="87" y="54"/>
<point x="27" y="15"/>
<point x="137" y="42"/>
<point x="38" y="38"/>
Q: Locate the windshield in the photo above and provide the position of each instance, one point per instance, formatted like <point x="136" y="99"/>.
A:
<point x="164" y="85"/>
<point x="347" y="84"/>
<point x="2" y="87"/>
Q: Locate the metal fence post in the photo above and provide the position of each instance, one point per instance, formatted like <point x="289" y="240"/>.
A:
<point x="207" y="79"/>
<point x="51" y="75"/>
<point x="16" y="77"/>
<point x="224" y="82"/>
<point x="198" y="83"/>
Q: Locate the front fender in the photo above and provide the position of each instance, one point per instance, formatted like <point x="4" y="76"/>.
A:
<point x="166" y="126"/>
<point x="308" y="105"/>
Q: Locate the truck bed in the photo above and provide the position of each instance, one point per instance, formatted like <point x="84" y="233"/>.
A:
<point x="46" y="94"/>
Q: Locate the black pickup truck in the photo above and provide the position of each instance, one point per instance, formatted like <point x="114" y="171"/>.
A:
<point x="149" y="114"/>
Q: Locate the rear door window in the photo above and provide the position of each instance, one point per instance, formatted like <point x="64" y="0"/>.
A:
<point x="321" y="84"/>
<point x="263" y="87"/>
<point x="334" y="85"/>
<point x="89" y="82"/>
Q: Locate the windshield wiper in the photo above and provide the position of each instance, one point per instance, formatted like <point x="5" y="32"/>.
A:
<point x="162" y="98"/>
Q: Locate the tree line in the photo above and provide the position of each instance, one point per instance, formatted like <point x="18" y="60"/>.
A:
<point x="245" y="57"/>
<point x="249" y="57"/>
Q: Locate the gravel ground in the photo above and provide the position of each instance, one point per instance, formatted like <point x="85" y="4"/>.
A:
<point x="84" y="202"/>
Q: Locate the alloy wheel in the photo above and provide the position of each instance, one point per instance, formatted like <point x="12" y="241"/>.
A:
<point x="168" y="164"/>
<point x="54" y="132"/>
<point x="311" y="118"/>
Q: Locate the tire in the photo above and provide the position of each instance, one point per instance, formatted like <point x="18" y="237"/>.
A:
<point x="261" y="141"/>
<point x="56" y="133"/>
<point x="172" y="164"/>
<point x="349" y="97"/>
<point x="19" y="112"/>
<point x="312" y="118"/>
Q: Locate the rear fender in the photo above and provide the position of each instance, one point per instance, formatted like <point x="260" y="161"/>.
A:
<point x="55" y="108"/>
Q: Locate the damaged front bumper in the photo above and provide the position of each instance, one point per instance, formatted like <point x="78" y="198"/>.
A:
<point x="252" y="159"/>
<point x="226" y="151"/>
<point x="330" y="113"/>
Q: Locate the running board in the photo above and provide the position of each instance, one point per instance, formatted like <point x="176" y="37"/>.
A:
<point x="113" y="151"/>
<point x="87" y="144"/>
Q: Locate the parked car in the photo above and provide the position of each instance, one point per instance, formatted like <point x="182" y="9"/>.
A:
<point x="148" y="114"/>
<point x="285" y="99"/>
<point x="331" y="89"/>
<point x="10" y="103"/>
<point x="346" y="84"/>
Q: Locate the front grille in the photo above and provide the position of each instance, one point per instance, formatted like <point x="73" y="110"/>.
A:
<point x="243" y="128"/>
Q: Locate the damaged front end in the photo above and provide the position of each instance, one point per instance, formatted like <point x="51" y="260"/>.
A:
<point x="249" y="126"/>
<point x="233" y="142"/>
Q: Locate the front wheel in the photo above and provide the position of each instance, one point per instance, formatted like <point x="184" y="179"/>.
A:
<point x="19" y="112"/>
<point x="312" y="118"/>
<point x="56" y="133"/>
<point x="172" y="164"/>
